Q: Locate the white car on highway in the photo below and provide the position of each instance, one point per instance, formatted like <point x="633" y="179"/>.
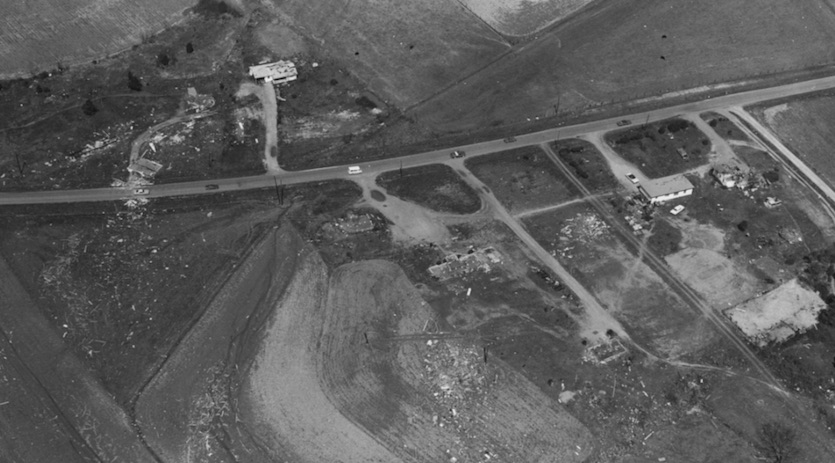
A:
<point x="632" y="178"/>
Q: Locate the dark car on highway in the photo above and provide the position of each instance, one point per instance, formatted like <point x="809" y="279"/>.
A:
<point x="212" y="186"/>
<point x="624" y="122"/>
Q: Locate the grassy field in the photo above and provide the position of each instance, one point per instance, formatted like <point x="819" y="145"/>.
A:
<point x="574" y="61"/>
<point x="380" y="43"/>
<point x="45" y="33"/>
<point x="435" y="186"/>
<point x="654" y="148"/>
<point x="522" y="178"/>
<point x="588" y="163"/>
<point x="805" y="126"/>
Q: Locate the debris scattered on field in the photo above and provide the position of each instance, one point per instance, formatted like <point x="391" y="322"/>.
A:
<point x="456" y="264"/>
<point x="585" y="227"/>
<point x="604" y="352"/>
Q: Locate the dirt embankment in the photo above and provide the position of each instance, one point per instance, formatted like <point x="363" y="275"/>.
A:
<point x="188" y="412"/>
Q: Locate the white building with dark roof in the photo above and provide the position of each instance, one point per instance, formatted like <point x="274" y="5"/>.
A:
<point x="666" y="189"/>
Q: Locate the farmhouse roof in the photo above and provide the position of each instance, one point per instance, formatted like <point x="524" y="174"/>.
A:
<point x="279" y="70"/>
<point x="666" y="185"/>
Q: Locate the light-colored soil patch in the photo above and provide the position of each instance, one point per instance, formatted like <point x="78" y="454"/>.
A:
<point x="718" y="279"/>
<point x="700" y="236"/>
<point x="284" y="390"/>
<point x="522" y="17"/>
<point x="778" y="314"/>
<point x="410" y="223"/>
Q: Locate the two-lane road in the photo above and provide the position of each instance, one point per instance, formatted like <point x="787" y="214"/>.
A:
<point x="429" y="157"/>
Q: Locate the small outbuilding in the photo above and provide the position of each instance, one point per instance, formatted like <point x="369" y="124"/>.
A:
<point x="666" y="189"/>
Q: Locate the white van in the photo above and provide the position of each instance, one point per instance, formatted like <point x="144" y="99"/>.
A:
<point x="354" y="170"/>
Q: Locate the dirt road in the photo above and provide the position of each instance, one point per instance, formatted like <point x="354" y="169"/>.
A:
<point x="269" y="117"/>
<point x="68" y="389"/>
<point x="598" y="319"/>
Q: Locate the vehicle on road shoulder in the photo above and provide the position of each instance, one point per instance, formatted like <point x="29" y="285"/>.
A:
<point x="140" y="191"/>
<point x="624" y="122"/>
<point x="632" y="178"/>
<point x="457" y="154"/>
<point x="354" y="170"/>
<point x="677" y="210"/>
<point x="212" y="186"/>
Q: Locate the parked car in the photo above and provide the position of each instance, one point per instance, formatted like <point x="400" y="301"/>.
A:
<point x="624" y="122"/>
<point x="140" y="191"/>
<point x="510" y="139"/>
<point x="354" y="170"/>
<point x="212" y="186"/>
<point x="632" y="178"/>
<point x="457" y="154"/>
<point x="677" y="210"/>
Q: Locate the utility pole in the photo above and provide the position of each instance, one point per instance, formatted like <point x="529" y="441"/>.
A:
<point x="557" y="106"/>
<point x="277" y="197"/>
<point x="646" y="122"/>
<point x="401" y="169"/>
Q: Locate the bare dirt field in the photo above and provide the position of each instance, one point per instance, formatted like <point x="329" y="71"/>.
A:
<point x="804" y="126"/>
<point x="585" y="67"/>
<point x="519" y="17"/>
<point x="439" y="398"/>
<point x="662" y="148"/>
<point x="632" y="292"/>
<point x="522" y="178"/>
<point x="379" y="43"/>
<point x="44" y="34"/>
<point x="436" y="187"/>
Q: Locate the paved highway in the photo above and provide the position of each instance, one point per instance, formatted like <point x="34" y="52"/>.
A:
<point x="429" y="157"/>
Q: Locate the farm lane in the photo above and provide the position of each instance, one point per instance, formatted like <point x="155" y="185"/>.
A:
<point x="599" y="320"/>
<point x="430" y="157"/>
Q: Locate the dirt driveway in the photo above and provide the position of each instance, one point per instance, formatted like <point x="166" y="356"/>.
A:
<point x="266" y="94"/>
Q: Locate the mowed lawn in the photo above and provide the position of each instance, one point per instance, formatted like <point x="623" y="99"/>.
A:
<point x="613" y="50"/>
<point x="805" y="126"/>
<point x="39" y="34"/>
<point x="404" y="51"/>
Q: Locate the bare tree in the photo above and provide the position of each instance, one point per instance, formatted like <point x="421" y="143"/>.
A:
<point x="778" y="442"/>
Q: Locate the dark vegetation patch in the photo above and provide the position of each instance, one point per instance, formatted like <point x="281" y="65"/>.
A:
<point x="588" y="164"/>
<point x="723" y="127"/>
<point x="523" y="178"/>
<point x="665" y="238"/>
<point x="663" y="148"/>
<point x="215" y="8"/>
<point x="435" y="186"/>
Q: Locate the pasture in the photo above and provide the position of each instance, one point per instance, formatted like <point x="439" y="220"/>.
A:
<point x="45" y="34"/>
<point x="631" y="48"/>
